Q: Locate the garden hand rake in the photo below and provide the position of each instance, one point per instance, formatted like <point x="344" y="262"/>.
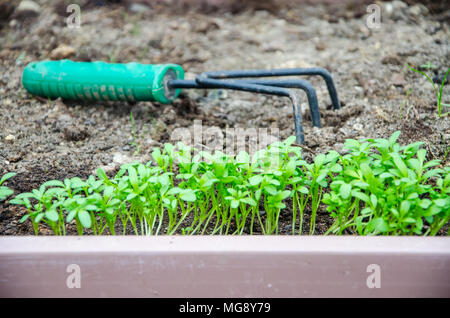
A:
<point x="163" y="82"/>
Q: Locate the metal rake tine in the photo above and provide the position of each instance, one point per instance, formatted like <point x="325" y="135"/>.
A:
<point x="297" y="83"/>
<point x="293" y="83"/>
<point x="240" y="85"/>
<point x="221" y="79"/>
<point x="283" y="72"/>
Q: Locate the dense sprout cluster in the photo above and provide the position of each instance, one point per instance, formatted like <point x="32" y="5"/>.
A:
<point x="376" y="187"/>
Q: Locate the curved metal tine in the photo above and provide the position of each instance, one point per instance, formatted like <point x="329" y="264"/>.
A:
<point x="296" y="83"/>
<point x="206" y="82"/>
<point x="284" y="72"/>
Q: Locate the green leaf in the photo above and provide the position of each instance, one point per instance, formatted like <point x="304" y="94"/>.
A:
<point x="395" y="212"/>
<point x="142" y="171"/>
<point x="175" y="190"/>
<point x="102" y="175"/>
<point x="351" y="173"/>
<point x="168" y="148"/>
<point x="414" y="163"/>
<point x="185" y="176"/>
<point x="291" y="165"/>
<point x="289" y="141"/>
<point x="243" y="157"/>
<point x="434" y="209"/>
<point x="421" y="154"/>
<point x="360" y="184"/>
<point x="234" y="204"/>
<point x="133" y="177"/>
<point x="399" y="163"/>
<point x="360" y="195"/>
<point x="351" y="143"/>
<point x="39" y="217"/>
<point x="385" y="175"/>
<point x="274" y="182"/>
<point x="284" y="194"/>
<point x="432" y="173"/>
<point x="16" y="201"/>
<point x="54" y="183"/>
<point x="359" y="225"/>
<point x="404" y="207"/>
<point x="373" y="200"/>
<point x="164" y="180"/>
<point x="7" y="176"/>
<point x="303" y="190"/>
<point x="108" y="192"/>
<point x="366" y="170"/>
<point x="319" y="160"/>
<point x="77" y="183"/>
<point x="249" y="201"/>
<point x="162" y="191"/>
<point x="409" y="220"/>
<point x="394" y="137"/>
<point x="91" y="207"/>
<point x="109" y="211"/>
<point x="52" y="215"/>
<point x="85" y="219"/>
<point x="71" y="215"/>
<point x="345" y="190"/>
<point x="366" y="212"/>
<point x="413" y="196"/>
<point x="431" y="163"/>
<point x="425" y="203"/>
<point x="188" y="195"/>
<point x="131" y="196"/>
<point x="5" y="192"/>
<point x="255" y="180"/>
<point x="440" y="202"/>
<point x="377" y="225"/>
<point x="321" y="177"/>
<point x="24" y="218"/>
<point x="270" y="189"/>
<point x="336" y="168"/>
<point x="332" y="155"/>
<point x="280" y="205"/>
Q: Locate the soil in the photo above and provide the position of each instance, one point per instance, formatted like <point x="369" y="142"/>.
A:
<point x="53" y="139"/>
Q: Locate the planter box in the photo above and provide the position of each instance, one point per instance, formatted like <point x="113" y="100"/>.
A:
<point x="201" y="266"/>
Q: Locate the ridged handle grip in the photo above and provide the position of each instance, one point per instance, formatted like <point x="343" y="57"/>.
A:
<point x="102" y="81"/>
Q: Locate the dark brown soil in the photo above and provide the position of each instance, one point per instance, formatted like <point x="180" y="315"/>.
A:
<point x="60" y="139"/>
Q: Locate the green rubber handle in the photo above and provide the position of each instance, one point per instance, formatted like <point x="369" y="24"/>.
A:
<point x="102" y="81"/>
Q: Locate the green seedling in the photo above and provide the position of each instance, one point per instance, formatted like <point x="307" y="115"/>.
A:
<point x="439" y="93"/>
<point x="428" y="66"/>
<point x="385" y="188"/>
<point x="377" y="188"/>
<point x="5" y="191"/>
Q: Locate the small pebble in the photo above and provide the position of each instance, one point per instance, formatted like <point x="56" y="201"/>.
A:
<point x="62" y="52"/>
<point x="139" y="8"/>
<point x="10" y="138"/>
<point x="121" y="158"/>
<point x="358" y="127"/>
<point x="90" y="122"/>
<point x="27" y="8"/>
